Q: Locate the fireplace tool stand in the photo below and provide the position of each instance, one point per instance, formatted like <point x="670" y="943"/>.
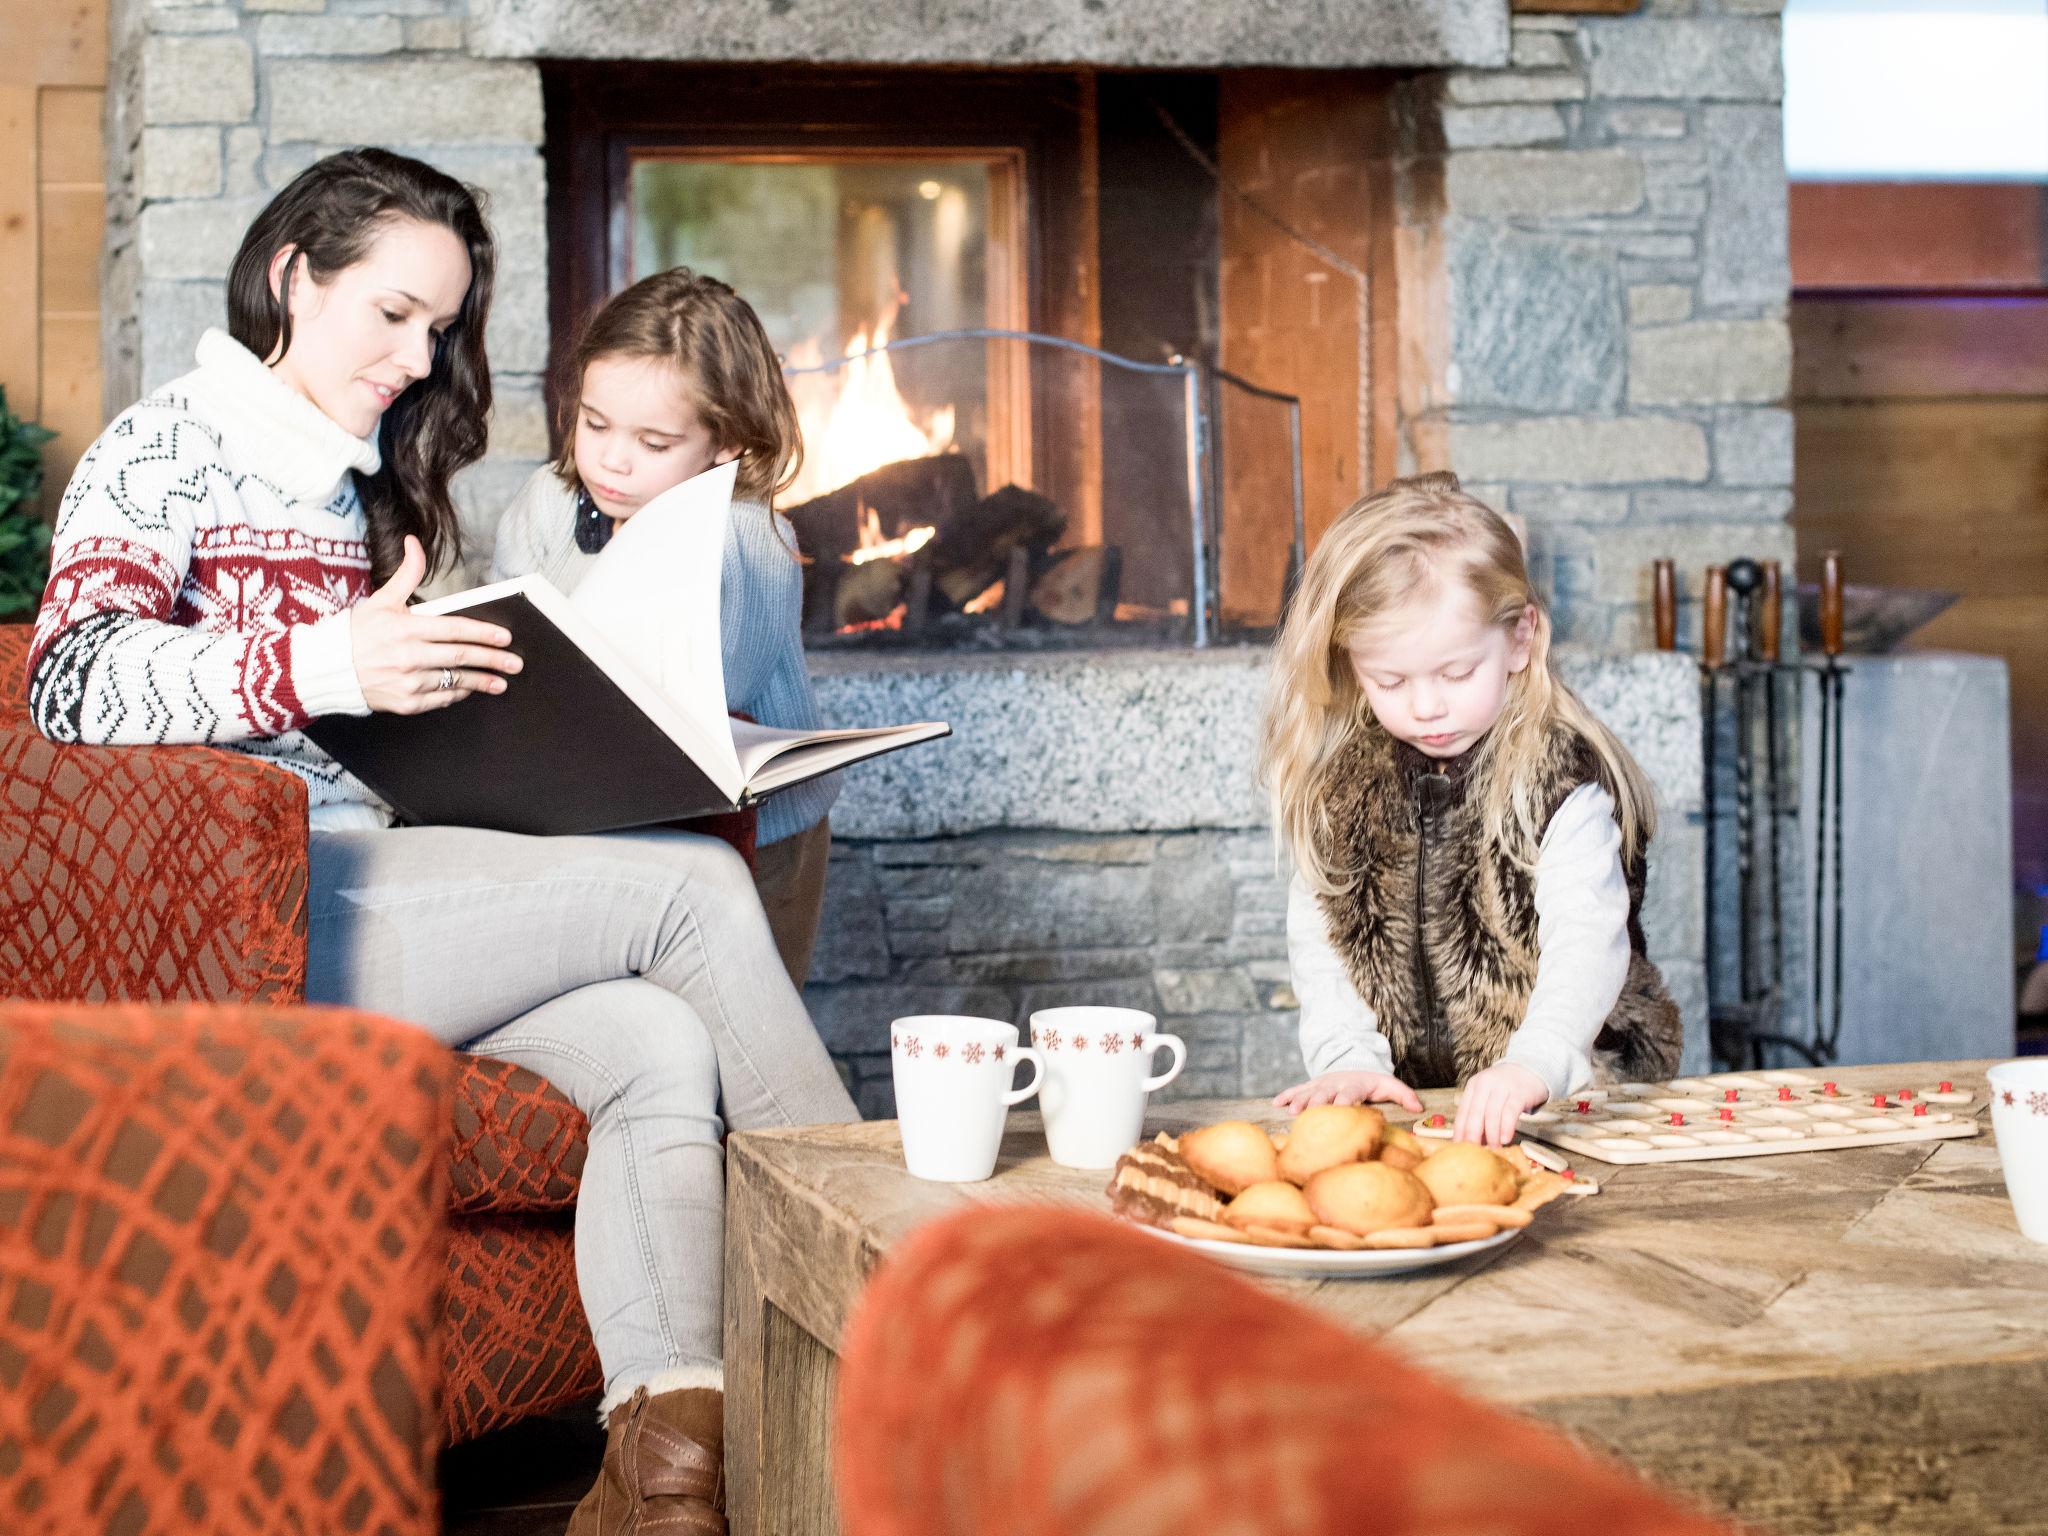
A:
<point x="1744" y="706"/>
<point x="1202" y="465"/>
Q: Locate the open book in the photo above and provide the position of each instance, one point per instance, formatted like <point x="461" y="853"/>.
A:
<point x="618" y="718"/>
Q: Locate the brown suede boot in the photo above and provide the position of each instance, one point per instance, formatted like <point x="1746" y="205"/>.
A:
<point x="663" y="1471"/>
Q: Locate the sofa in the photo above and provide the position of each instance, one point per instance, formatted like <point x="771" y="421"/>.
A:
<point x="178" y="874"/>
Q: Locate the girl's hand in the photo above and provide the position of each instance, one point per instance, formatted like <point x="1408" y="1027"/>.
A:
<point x="1348" y="1088"/>
<point x="1490" y="1108"/>
<point x="402" y="658"/>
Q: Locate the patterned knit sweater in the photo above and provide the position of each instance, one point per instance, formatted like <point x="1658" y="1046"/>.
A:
<point x="206" y="553"/>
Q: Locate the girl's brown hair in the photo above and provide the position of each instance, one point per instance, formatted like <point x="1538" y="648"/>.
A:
<point x="1375" y="561"/>
<point x="734" y="377"/>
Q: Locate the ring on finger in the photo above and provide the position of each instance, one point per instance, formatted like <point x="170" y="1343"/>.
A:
<point x="447" y="680"/>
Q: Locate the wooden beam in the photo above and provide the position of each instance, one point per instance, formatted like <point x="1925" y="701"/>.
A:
<point x="1575" y="7"/>
<point x="53" y="42"/>
<point x="20" y="269"/>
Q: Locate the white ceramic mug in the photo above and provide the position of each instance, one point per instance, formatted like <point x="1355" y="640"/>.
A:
<point x="953" y="1092"/>
<point x="2019" y="1117"/>
<point x="1095" y="1086"/>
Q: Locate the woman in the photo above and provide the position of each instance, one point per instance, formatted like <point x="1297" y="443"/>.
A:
<point x="212" y="581"/>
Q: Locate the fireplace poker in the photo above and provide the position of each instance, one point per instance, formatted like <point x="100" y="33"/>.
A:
<point x="1713" y="649"/>
<point x="1770" y="614"/>
<point x="1827" y="884"/>
<point x="1744" y="577"/>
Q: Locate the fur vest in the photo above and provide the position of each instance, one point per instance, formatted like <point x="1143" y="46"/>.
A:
<point x="1439" y="935"/>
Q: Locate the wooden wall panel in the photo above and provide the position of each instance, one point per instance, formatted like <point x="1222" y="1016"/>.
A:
<point x="53" y="62"/>
<point x="1921" y="427"/>
<point x="1918" y="234"/>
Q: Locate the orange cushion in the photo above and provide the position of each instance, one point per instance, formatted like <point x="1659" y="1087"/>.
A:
<point x="1033" y="1372"/>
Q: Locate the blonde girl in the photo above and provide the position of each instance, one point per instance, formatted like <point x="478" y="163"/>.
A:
<point x="673" y="376"/>
<point x="1468" y="839"/>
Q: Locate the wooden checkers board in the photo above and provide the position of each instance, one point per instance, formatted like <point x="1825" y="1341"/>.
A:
<point x="1745" y="1114"/>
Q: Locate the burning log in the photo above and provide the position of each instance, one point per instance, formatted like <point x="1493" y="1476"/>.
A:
<point x="972" y="551"/>
<point x="916" y="493"/>
<point x="1081" y="586"/>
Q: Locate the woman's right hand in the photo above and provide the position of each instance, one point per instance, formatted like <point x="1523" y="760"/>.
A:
<point x="1348" y="1088"/>
<point x="407" y="663"/>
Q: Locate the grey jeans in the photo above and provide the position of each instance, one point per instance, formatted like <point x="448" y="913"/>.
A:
<point x="634" y="971"/>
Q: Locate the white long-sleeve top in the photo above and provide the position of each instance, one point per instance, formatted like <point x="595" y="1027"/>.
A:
<point x="1582" y="959"/>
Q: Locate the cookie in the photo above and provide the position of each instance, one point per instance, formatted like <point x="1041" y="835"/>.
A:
<point x="1233" y="1155"/>
<point x="1365" y="1197"/>
<point x="1152" y="1184"/>
<point x="1329" y="1135"/>
<point x="1274" y="1203"/>
<point x="1465" y="1173"/>
<point x="1399" y="1148"/>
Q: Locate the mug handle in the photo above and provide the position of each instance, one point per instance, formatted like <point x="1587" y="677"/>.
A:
<point x="1179" y="1048"/>
<point x="1018" y="1095"/>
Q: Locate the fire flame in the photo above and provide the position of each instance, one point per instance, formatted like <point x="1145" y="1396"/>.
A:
<point x="991" y="597"/>
<point x="874" y="547"/>
<point x="854" y="420"/>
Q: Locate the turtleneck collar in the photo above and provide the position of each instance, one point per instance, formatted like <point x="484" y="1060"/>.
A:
<point x="275" y="429"/>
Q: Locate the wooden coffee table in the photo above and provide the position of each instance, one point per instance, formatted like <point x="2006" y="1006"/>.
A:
<point x="1822" y="1342"/>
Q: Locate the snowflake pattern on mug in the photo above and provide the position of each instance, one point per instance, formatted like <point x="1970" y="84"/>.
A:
<point x="2038" y="1103"/>
<point x="1080" y="1042"/>
<point x="1137" y="1042"/>
<point x="971" y="1053"/>
<point x="1050" y="1040"/>
<point x="999" y="1053"/>
<point x="911" y="1048"/>
<point x="941" y="1051"/>
<point x="2008" y="1098"/>
<point x="1111" y="1044"/>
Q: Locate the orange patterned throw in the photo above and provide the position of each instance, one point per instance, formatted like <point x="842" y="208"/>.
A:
<point x="1027" y="1371"/>
<point x="221" y="1253"/>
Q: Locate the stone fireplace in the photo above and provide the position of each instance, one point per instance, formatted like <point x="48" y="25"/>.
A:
<point x="1544" y="250"/>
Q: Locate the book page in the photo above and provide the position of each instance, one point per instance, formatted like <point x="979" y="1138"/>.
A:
<point x="653" y="595"/>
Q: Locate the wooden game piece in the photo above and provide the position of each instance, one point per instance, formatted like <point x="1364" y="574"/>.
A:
<point x="1947" y="1093"/>
<point x="1830" y="1090"/>
<point x="1436" y="1128"/>
<point x="1536" y="1152"/>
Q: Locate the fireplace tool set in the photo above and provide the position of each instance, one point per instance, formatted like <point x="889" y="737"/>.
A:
<point x="1749" y="696"/>
<point x="993" y="556"/>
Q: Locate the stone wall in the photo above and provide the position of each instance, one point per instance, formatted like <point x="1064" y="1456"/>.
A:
<point x="213" y="108"/>
<point x="1594" y="290"/>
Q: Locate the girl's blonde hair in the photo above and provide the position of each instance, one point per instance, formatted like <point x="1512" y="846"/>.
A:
<point x="1385" y="552"/>
<point x="734" y="377"/>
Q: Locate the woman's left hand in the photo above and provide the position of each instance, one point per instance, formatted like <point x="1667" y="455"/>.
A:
<point x="1490" y="1108"/>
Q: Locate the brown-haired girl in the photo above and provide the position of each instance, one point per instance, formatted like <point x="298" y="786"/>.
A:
<point x="673" y="376"/>
<point x="1468" y="839"/>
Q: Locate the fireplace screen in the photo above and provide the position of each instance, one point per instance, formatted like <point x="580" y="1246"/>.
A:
<point x="966" y="479"/>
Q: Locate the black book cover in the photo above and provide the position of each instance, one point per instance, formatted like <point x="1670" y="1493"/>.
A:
<point x="562" y="751"/>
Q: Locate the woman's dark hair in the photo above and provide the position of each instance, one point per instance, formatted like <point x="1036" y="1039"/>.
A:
<point x="330" y="215"/>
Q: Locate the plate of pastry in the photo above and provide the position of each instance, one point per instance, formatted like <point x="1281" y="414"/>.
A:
<point x="1340" y="1192"/>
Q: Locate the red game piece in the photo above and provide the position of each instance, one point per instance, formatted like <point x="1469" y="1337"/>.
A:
<point x="1831" y="1090"/>
<point x="1585" y="1106"/>
<point x="1436" y="1121"/>
<point x="1730" y="1096"/>
<point x="1948" y="1088"/>
<point x="1568" y="1175"/>
<point x="1919" y="1109"/>
<point x="1678" y="1119"/>
<point x="1784" y="1095"/>
<point x="1728" y="1115"/>
<point x="1877" y="1101"/>
<point x="1905" y="1095"/>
